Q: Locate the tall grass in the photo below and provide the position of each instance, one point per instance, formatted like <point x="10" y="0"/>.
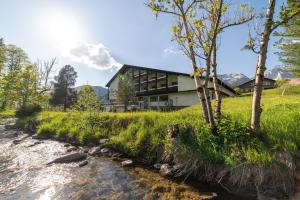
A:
<point x="143" y="134"/>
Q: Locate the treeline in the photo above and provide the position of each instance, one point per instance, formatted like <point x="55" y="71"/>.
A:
<point x="27" y="86"/>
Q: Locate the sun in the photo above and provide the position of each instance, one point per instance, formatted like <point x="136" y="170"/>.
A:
<point x="61" y="29"/>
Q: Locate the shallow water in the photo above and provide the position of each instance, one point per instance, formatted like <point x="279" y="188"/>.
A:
<point x="24" y="175"/>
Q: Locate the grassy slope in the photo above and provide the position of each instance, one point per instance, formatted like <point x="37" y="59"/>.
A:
<point x="142" y="134"/>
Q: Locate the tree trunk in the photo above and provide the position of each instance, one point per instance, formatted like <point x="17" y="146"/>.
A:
<point x="207" y="97"/>
<point x="215" y="82"/>
<point x="260" y="69"/>
<point x="200" y="93"/>
<point x="66" y="99"/>
<point x="198" y="82"/>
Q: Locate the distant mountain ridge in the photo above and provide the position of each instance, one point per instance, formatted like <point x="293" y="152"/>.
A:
<point x="101" y="92"/>
<point x="278" y="73"/>
<point x="233" y="80"/>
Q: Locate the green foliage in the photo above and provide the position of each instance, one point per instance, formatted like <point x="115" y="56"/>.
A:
<point x="28" y="110"/>
<point x="125" y="92"/>
<point x="289" y="38"/>
<point x="143" y="134"/>
<point x="8" y="113"/>
<point x="238" y="90"/>
<point x="63" y="93"/>
<point x="87" y="100"/>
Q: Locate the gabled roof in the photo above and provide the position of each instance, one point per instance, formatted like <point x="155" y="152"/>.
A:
<point x="125" y="67"/>
<point x="254" y="80"/>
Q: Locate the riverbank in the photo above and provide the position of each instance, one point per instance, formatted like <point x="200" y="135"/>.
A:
<point x="24" y="174"/>
<point x="233" y="159"/>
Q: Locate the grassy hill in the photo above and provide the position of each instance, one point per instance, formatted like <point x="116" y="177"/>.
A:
<point x="144" y="136"/>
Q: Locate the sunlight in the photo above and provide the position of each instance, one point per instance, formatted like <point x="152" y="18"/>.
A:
<point x="61" y="29"/>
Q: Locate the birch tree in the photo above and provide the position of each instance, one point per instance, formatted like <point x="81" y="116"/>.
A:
<point x="261" y="48"/>
<point x="183" y="12"/>
<point x="243" y="14"/>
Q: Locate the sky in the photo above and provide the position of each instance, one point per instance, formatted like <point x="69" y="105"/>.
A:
<point x="97" y="37"/>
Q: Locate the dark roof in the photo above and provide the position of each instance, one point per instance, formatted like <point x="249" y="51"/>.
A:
<point x="125" y="67"/>
<point x="254" y="80"/>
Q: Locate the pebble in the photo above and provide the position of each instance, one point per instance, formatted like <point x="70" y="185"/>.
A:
<point x="83" y="163"/>
<point x="126" y="163"/>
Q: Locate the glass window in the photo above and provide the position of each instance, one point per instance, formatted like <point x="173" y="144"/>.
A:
<point x="164" y="98"/>
<point x="153" y="99"/>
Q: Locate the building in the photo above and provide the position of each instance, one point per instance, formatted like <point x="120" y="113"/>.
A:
<point x="159" y="89"/>
<point x="249" y="85"/>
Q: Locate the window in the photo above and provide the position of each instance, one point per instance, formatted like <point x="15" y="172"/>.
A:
<point x="153" y="99"/>
<point x="163" y="98"/>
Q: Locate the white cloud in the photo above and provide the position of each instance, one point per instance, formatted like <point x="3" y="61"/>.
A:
<point x="93" y="55"/>
<point x="171" y="51"/>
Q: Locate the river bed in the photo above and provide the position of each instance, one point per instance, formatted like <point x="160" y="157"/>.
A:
<point x="25" y="175"/>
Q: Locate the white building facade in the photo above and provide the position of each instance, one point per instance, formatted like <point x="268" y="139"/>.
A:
<point x="159" y="89"/>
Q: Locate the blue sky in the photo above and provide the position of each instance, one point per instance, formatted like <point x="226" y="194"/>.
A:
<point x="95" y="35"/>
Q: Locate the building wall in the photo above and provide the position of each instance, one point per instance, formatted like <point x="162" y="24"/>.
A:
<point x="248" y="87"/>
<point x="185" y="83"/>
<point x="184" y="98"/>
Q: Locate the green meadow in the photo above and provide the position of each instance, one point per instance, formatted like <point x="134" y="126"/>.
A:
<point x="143" y="134"/>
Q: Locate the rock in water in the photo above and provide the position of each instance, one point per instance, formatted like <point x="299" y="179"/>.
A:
<point x="71" y="149"/>
<point x="35" y="143"/>
<point x="94" y="151"/>
<point x="209" y="196"/>
<point x="104" y="150"/>
<point x="126" y="163"/>
<point x="67" y="145"/>
<point x="166" y="170"/>
<point x="157" y="166"/>
<point x="74" y="157"/>
<point x="102" y="141"/>
<point x="83" y="163"/>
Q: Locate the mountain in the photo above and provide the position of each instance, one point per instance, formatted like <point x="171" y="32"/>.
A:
<point x="101" y="92"/>
<point x="234" y="80"/>
<point x="278" y="73"/>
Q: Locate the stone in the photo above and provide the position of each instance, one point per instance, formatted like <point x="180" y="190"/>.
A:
<point x="126" y="163"/>
<point x="85" y="150"/>
<point x="35" y="143"/>
<point x="209" y="196"/>
<point x="94" y="151"/>
<point x="166" y="170"/>
<point x="67" y="145"/>
<point x="157" y="166"/>
<point x="83" y="163"/>
<point x="74" y="157"/>
<point x="10" y="126"/>
<point x="104" y="150"/>
<point x="104" y="140"/>
<point x="15" y="142"/>
<point x="71" y="149"/>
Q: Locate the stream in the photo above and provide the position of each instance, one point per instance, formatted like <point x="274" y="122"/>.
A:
<point x="25" y="175"/>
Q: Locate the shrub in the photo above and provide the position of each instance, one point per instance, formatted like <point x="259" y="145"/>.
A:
<point x="28" y="110"/>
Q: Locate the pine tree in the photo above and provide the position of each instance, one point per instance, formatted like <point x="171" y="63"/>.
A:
<point x="64" y="93"/>
<point x="289" y="42"/>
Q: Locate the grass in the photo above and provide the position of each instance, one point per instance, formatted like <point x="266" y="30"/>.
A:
<point x="144" y="135"/>
<point x="7" y="113"/>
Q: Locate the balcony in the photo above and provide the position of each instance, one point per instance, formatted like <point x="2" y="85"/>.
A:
<point x="161" y="90"/>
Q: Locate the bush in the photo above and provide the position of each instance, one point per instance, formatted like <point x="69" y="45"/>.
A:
<point x="28" y="110"/>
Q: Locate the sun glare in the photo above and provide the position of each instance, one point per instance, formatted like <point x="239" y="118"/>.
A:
<point x="61" y="29"/>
